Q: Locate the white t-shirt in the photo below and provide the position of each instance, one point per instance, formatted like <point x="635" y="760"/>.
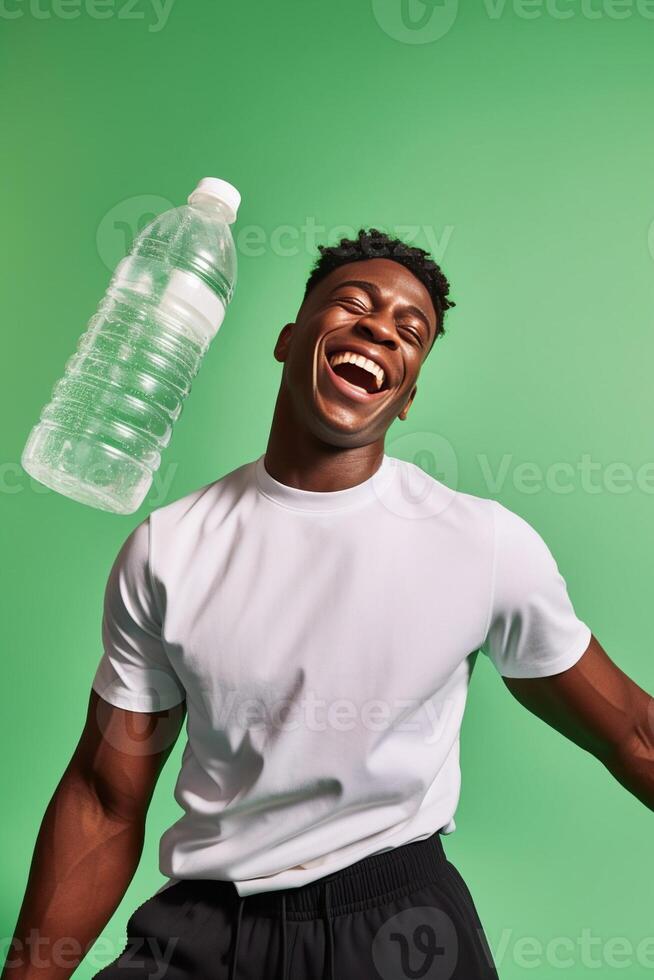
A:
<point x="324" y="644"/>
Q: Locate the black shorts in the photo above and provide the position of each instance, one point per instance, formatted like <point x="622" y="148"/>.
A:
<point x="404" y="913"/>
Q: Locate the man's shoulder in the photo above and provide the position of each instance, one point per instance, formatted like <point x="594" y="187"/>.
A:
<point x="197" y="503"/>
<point x="426" y="492"/>
<point x="480" y="520"/>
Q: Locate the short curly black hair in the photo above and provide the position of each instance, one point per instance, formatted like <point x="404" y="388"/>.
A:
<point x="375" y="244"/>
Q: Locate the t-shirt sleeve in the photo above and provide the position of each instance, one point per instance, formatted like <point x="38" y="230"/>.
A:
<point x="134" y="671"/>
<point x="533" y="630"/>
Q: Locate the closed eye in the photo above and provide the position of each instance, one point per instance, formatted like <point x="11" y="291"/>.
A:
<point x="414" y="334"/>
<point x="355" y="304"/>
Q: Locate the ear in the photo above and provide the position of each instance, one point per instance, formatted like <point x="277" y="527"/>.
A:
<point x="283" y="341"/>
<point x="405" y="411"/>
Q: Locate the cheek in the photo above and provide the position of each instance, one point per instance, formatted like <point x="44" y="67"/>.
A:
<point x="413" y="363"/>
<point x="312" y="336"/>
<point x="300" y="357"/>
<point x="335" y="318"/>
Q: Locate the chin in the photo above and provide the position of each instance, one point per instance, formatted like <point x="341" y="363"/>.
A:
<point x="344" y="434"/>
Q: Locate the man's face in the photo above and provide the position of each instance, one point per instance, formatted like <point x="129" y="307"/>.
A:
<point x="374" y="309"/>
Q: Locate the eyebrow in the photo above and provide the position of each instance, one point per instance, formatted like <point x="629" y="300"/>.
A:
<point x="376" y="293"/>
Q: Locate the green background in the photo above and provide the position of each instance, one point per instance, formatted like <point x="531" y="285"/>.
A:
<point x="520" y="141"/>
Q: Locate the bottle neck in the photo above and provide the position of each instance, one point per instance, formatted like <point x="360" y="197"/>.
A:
<point x="212" y="204"/>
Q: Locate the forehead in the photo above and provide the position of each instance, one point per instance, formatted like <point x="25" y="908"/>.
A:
<point x="396" y="282"/>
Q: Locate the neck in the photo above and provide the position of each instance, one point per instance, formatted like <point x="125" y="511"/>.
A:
<point x="297" y="457"/>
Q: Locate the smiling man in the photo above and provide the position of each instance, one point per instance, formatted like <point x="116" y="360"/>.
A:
<point x="316" y="614"/>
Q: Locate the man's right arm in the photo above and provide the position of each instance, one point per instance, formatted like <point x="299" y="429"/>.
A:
<point x="91" y="838"/>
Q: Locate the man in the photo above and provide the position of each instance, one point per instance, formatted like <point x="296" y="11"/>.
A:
<point x="318" y="621"/>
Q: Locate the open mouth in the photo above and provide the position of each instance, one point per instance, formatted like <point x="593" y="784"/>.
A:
<point x="357" y="373"/>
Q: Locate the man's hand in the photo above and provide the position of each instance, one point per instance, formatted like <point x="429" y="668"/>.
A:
<point x="597" y="706"/>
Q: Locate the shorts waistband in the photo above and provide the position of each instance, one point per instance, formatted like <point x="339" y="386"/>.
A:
<point x="371" y="878"/>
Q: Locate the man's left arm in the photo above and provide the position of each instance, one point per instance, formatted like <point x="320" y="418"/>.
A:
<point x="601" y="709"/>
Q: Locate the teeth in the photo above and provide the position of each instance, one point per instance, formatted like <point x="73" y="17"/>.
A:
<point x="348" y="356"/>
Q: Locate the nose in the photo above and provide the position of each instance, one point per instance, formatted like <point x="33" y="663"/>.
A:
<point x="378" y="328"/>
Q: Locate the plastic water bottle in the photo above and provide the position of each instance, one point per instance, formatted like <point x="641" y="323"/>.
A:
<point x="99" y="440"/>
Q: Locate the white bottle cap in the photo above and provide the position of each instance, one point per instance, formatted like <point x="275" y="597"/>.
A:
<point x="220" y="190"/>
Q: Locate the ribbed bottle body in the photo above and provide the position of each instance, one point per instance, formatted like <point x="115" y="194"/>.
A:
<point x="100" y="437"/>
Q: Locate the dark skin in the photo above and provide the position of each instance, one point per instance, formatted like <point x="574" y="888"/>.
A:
<point x="91" y="838"/>
<point x="324" y="437"/>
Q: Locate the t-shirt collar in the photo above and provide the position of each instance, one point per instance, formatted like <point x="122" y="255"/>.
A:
<point x="320" y="500"/>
